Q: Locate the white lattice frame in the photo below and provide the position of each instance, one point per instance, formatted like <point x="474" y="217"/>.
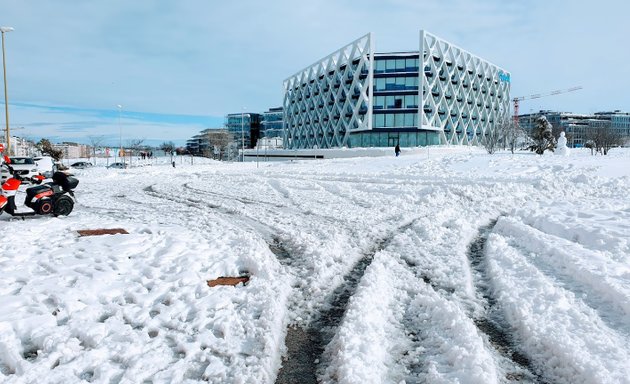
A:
<point x="445" y="51"/>
<point x="332" y="134"/>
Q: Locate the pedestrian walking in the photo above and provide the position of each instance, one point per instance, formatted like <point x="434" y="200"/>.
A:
<point x="397" y="150"/>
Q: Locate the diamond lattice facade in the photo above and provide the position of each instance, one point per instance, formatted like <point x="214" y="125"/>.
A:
<point x="355" y="97"/>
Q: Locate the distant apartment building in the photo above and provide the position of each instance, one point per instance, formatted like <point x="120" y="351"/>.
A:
<point x="73" y="150"/>
<point x="22" y="147"/>
<point x="198" y="144"/>
<point x="211" y="142"/>
<point x="355" y="97"/>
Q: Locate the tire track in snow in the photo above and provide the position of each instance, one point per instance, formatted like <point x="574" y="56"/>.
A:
<point x="517" y="366"/>
<point x="605" y="295"/>
<point x="234" y="198"/>
<point x="271" y="207"/>
<point x="305" y="346"/>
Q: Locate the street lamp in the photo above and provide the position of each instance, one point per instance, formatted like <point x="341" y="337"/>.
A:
<point x="119" y="129"/>
<point x="6" y="98"/>
<point x="243" y="133"/>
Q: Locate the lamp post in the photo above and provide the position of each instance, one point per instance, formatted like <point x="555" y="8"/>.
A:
<point x="119" y="130"/>
<point x="6" y="98"/>
<point x="243" y="133"/>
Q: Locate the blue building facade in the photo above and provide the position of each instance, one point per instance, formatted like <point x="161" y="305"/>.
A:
<point x="272" y="123"/>
<point x="356" y="97"/>
<point x="244" y="127"/>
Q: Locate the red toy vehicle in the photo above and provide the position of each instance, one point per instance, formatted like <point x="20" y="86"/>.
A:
<point x="56" y="197"/>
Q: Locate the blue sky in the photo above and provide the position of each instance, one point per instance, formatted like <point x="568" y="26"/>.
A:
<point x="179" y="67"/>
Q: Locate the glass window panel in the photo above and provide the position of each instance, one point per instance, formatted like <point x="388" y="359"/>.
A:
<point x="390" y="66"/>
<point x="409" y="119"/>
<point x="380" y="84"/>
<point x="379" y="121"/>
<point x="379" y="102"/>
<point x="400" y="65"/>
<point x="409" y="99"/>
<point x="390" y="83"/>
<point x="380" y="66"/>
<point x="389" y="102"/>
<point x="389" y="120"/>
<point x="403" y="139"/>
<point x="411" y="65"/>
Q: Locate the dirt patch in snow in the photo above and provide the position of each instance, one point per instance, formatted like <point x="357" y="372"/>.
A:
<point x="103" y="231"/>
<point x="228" y="281"/>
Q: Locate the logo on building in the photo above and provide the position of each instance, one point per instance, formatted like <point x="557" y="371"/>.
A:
<point x="503" y="76"/>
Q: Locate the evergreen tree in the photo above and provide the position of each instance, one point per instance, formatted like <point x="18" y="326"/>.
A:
<point x="542" y="136"/>
<point x="46" y="148"/>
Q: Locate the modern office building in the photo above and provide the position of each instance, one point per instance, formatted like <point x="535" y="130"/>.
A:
<point x="356" y="97"/>
<point x="271" y="124"/>
<point x="245" y="127"/>
<point x="619" y="122"/>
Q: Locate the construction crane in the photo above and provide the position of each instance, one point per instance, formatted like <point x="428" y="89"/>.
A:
<point x="516" y="100"/>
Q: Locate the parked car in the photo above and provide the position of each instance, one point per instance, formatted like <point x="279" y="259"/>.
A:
<point x="23" y="166"/>
<point x="81" y="165"/>
<point x="46" y="165"/>
<point x="117" y="165"/>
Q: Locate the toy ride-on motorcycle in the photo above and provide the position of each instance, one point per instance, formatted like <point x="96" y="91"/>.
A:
<point x="52" y="198"/>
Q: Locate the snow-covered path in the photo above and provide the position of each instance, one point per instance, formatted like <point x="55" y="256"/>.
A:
<point x="462" y="268"/>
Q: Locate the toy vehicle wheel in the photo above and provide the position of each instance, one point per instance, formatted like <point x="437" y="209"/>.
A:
<point x="63" y="206"/>
<point x="44" y="207"/>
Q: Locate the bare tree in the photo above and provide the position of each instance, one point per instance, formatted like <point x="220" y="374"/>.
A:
<point x="134" y="146"/>
<point x="602" y="139"/>
<point x="218" y="142"/>
<point x="492" y="138"/>
<point x="95" y="142"/>
<point x="511" y="133"/>
<point x="167" y="147"/>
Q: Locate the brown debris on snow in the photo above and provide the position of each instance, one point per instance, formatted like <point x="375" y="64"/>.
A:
<point x="103" y="231"/>
<point x="228" y="281"/>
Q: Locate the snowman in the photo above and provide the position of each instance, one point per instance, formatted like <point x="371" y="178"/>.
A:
<point x="561" y="148"/>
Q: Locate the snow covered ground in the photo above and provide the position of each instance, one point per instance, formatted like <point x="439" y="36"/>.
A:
<point x="456" y="267"/>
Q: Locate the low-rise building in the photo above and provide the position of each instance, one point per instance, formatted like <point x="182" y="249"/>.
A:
<point x="578" y="126"/>
<point x="73" y="150"/>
